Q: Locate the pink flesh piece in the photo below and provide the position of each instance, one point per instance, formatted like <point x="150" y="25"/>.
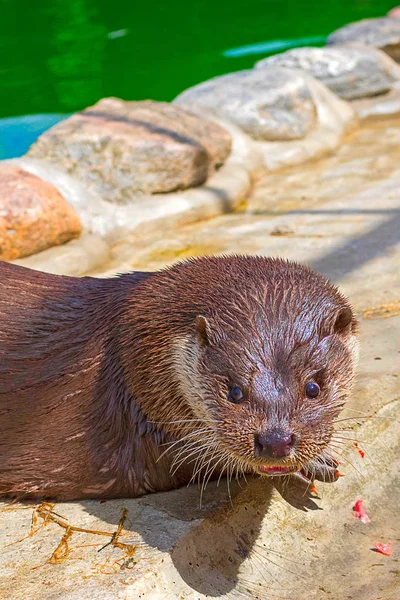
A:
<point x="360" y="513"/>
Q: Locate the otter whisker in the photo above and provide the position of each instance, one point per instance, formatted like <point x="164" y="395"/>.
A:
<point x="342" y="457"/>
<point x="244" y="471"/>
<point x="209" y="469"/>
<point x="240" y="472"/>
<point x="172" y="444"/>
<point x="342" y="444"/>
<point x="240" y="467"/>
<point x="321" y="461"/>
<point x="205" y="481"/>
<point x="195" y="441"/>
<point x="339" y="438"/>
<point x="202" y="420"/>
<point x="188" y="457"/>
<point x="271" y="551"/>
<point x="366" y="417"/>
<point x="361" y="412"/>
<point x="229" y="478"/>
<point x="202" y="460"/>
<point x="223" y="472"/>
<point x="188" y="435"/>
<point x="189" y="451"/>
<point x="199" y="465"/>
<point x="186" y="451"/>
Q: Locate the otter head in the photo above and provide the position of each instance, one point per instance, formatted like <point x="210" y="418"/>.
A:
<point x="266" y="363"/>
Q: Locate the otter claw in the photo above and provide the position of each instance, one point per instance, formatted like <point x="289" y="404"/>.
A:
<point x="303" y="477"/>
<point x="326" y="472"/>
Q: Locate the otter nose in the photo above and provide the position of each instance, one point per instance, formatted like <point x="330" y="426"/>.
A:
<point x="274" y="444"/>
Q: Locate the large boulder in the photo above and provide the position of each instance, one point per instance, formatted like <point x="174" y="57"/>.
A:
<point x="349" y="71"/>
<point x="382" y="33"/>
<point x="122" y="149"/>
<point x="33" y="214"/>
<point x="268" y="104"/>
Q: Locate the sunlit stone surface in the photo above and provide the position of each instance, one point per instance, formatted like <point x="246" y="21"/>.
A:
<point x="350" y="72"/>
<point x="122" y="149"/>
<point x="341" y="215"/>
<point x="383" y="33"/>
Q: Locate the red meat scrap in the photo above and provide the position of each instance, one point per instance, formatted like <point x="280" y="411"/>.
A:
<point x="385" y="549"/>
<point x="360" y="512"/>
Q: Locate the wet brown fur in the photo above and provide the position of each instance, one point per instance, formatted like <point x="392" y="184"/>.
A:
<point x="98" y="376"/>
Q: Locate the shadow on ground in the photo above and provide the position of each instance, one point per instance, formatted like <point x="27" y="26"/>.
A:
<point x="209" y="544"/>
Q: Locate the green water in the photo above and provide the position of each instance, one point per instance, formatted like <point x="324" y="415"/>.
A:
<point x="62" y="55"/>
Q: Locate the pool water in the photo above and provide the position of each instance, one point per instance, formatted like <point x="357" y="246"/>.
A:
<point x="58" y="56"/>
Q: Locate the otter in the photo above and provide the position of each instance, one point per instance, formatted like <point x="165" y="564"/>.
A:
<point x="145" y="381"/>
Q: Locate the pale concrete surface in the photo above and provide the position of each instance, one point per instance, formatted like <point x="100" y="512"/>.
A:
<point x="342" y="216"/>
<point x="79" y="256"/>
<point x="379" y="106"/>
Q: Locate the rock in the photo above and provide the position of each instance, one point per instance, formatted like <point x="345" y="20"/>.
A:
<point x="394" y="12"/>
<point x="143" y="217"/>
<point x="268" y="104"/>
<point x="122" y="149"/>
<point x="335" y="117"/>
<point x="33" y="214"/>
<point x="383" y="33"/>
<point x="349" y="71"/>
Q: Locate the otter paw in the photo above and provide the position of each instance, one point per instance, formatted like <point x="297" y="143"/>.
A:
<point x="325" y="469"/>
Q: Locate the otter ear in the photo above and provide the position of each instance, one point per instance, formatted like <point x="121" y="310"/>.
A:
<point x="345" y="321"/>
<point x="205" y="331"/>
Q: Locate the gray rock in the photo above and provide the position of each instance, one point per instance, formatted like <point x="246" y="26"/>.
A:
<point x="350" y="72"/>
<point x="383" y="33"/>
<point x="121" y="149"/>
<point x="268" y="104"/>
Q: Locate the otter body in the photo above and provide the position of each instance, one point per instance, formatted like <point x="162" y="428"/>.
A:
<point x="143" y="382"/>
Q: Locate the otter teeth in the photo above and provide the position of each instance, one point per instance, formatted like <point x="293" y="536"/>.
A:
<point x="277" y="470"/>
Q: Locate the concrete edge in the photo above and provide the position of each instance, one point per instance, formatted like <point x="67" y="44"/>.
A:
<point x="73" y="258"/>
<point x="106" y="223"/>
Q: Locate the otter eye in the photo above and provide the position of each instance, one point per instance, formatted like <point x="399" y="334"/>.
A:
<point x="312" y="390"/>
<point x="235" y="395"/>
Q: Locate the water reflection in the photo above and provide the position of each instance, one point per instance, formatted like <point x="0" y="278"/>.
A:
<point x="274" y="46"/>
<point x="77" y="44"/>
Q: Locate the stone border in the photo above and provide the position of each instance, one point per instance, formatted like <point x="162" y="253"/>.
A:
<point x="336" y="117"/>
<point x="105" y="223"/>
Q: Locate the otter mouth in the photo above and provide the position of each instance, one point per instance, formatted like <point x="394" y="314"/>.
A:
<point x="276" y="470"/>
